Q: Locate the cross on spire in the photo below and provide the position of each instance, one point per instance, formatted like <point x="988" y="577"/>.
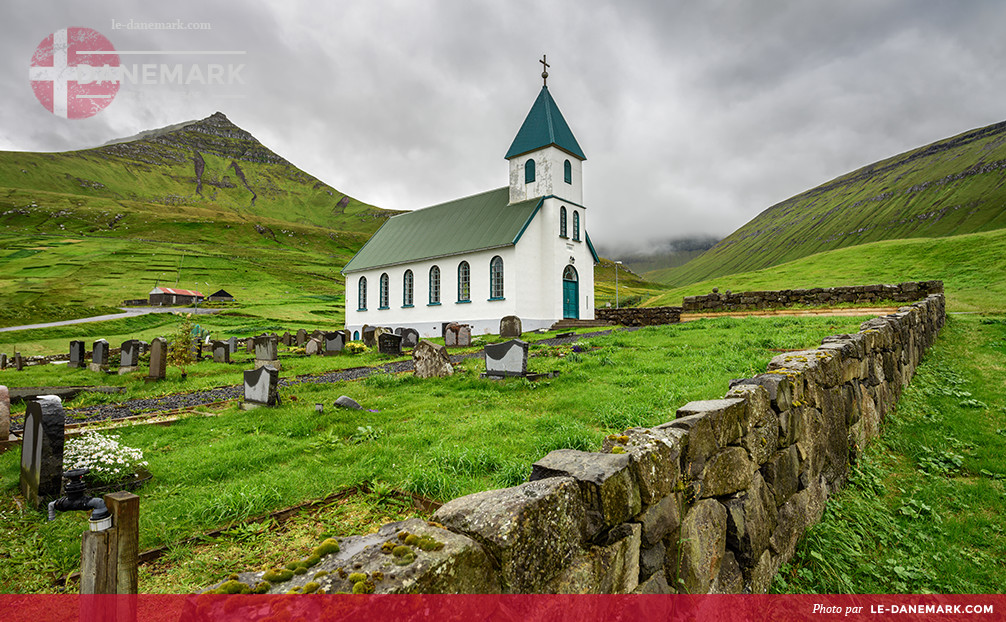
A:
<point x="544" y="70"/>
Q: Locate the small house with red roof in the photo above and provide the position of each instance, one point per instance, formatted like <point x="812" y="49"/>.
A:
<point x="173" y="296"/>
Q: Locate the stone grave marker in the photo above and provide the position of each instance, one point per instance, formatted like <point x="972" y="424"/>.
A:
<point x="390" y="343"/>
<point x="506" y="359"/>
<point x="287" y="339"/>
<point x="266" y="347"/>
<point x="431" y="360"/>
<point x="458" y="335"/>
<point x="42" y="450"/>
<point x="221" y="352"/>
<point x="345" y="401"/>
<point x="4" y="413"/>
<point x="250" y="345"/>
<point x="129" y="356"/>
<point x="232" y="345"/>
<point x="313" y="347"/>
<point x="369" y="338"/>
<point x="510" y="327"/>
<point x="18" y="361"/>
<point x="318" y="334"/>
<point x="144" y="347"/>
<point x="334" y="343"/>
<point x="398" y="331"/>
<point x="260" y="387"/>
<point x="301" y="337"/>
<point x="99" y="356"/>
<point x="443" y="328"/>
<point x="158" y="359"/>
<point x="77" y="353"/>
<point x="410" y="337"/>
<point x="3" y="360"/>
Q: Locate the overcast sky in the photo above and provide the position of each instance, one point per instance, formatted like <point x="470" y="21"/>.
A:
<point x="694" y="115"/>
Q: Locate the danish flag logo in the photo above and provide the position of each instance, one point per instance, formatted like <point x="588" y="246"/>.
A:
<point x="71" y="70"/>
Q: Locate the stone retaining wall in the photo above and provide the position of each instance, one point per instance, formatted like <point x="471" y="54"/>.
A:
<point x="819" y="296"/>
<point x="640" y="316"/>
<point x="713" y="501"/>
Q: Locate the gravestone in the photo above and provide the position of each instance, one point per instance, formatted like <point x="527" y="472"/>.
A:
<point x="506" y="359"/>
<point x="18" y="361"/>
<point x="144" y="347"/>
<point x="129" y="356"/>
<point x="260" y="387"/>
<point x="398" y="331"/>
<point x="3" y="360"/>
<point x="458" y="335"/>
<point x="443" y="328"/>
<point x="287" y="339"/>
<point x="301" y="337"/>
<point x="42" y="450"/>
<point x="390" y="343"/>
<point x="431" y="360"/>
<point x="369" y="338"/>
<point x="221" y="352"/>
<point x="232" y="345"/>
<point x="345" y="401"/>
<point x="99" y="356"/>
<point x="77" y="353"/>
<point x="266" y="347"/>
<point x="313" y="347"/>
<point x="410" y="337"/>
<point x="250" y="345"/>
<point x="158" y="359"/>
<point x="510" y="327"/>
<point x="318" y="334"/>
<point x="334" y="342"/>
<point x="4" y="413"/>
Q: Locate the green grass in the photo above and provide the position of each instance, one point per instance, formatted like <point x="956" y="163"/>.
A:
<point x="439" y="438"/>
<point x="925" y="510"/>
<point x="969" y="266"/>
<point x="949" y="188"/>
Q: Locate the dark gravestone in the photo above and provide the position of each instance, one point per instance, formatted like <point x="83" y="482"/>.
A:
<point x="3" y="360"/>
<point x="4" y="413"/>
<point x="18" y="361"/>
<point x="334" y="342"/>
<point x="369" y="339"/>
<point x="506" y="359"/>
<point x="232" y="345"/>
<point x="443" y="328"/>
<point x="431" y="360"/>
<point x="318" y="334"/>
<point x="158" y="359"/>
<point x="345" y="401"/>
<point x="313" y="347"/>
<point x="266" y="348"/>
<point x="287" y="339"/>
<point x="221" y="352"/>
<point x="510" y="327"/>
<point x="260" y="387"/>
<point x="144" y="347"/>
<point x="99" y="356"/>
<point x="301" y="337"/>
<point x="129" y="356"/>
<point x="77" y="353"/>
<point x="42" y="450"/>
<point x="410" y="337"/>
<point x="390" y="343"/>
<point x="398" y="331"/>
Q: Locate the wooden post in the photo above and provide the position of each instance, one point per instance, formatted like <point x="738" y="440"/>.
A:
<point x="125" y="509"/>
<point x="98" y="562"/>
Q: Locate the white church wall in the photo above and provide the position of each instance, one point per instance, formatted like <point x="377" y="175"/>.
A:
<point x="549" y="176"/>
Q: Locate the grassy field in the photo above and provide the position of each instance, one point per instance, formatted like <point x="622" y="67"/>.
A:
<point x="925" y="510"/>
<point x="969" y="265"/>
<point x="438" y="438"/>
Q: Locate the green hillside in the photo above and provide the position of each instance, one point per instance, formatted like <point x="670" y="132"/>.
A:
<point x="971" y="267"/>
<point x="951" y="187"/>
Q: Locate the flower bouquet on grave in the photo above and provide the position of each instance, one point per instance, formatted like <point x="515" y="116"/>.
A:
<point x="113" y="466"/>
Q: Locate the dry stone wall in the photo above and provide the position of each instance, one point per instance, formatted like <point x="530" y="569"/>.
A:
<point x="711" y="502"/>
<point x="640" y="316"/>
<point x="819" y="296"/>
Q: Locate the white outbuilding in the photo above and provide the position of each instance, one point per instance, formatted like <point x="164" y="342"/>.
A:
<point x="518" y="250"/>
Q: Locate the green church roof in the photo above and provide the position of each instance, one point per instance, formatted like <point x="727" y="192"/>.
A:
<point x="544" y="126"/>
<point x="474" y="223"/>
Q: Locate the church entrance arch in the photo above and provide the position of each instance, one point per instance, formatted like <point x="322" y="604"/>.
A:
<point x="570" y="294"/>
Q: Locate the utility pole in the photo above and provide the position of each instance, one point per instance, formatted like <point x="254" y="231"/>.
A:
<point x="617" y="263"/>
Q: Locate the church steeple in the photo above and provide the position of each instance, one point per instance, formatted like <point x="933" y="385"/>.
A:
<point x="544" y="126"/>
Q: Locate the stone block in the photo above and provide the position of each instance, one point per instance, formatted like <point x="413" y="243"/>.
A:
<point x="533" y="531"/>
<point x="761" y="436"/>
<point x="609" y="568"/>
<point x="655" y="459"/>
<point x="727" y="472"/>
<point x="782" y="474"/>
<point x="656" y="584"/>
<point x="802" y="510"/>
<point x="728" y="417"/>
<point x="610" y="493"/>
<point x="751" y="520"/>
<point x="703" y="545"/>
<point x="661" y="519"/>
<point x="699" y="443"/>
<point x="730" y="580"/>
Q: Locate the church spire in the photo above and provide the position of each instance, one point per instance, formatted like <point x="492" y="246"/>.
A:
<point x="544" y="126"/>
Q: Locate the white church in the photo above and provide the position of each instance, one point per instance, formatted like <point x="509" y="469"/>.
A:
<point x="518" y="250"/>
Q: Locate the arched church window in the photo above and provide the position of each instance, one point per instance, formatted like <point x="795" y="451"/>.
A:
<point x="496" y="278"/>
<point x="464" y="282"/>
<point x="356" y="335"/>
<point x="384" y="291"/>
<point x="361" y="304"/>
<point x="529" y="171"/>
<point x="434" y="285"/>
<point x="407" y="289"/>
<point x="567" y="172"/>
<point x="576" y="225"/>
<point x="562" y="221"/>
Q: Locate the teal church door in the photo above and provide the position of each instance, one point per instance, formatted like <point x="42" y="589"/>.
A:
<point x="570" y="294"/>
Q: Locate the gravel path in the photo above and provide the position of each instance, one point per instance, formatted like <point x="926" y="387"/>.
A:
<point x="127" y="312"/>
<point x="130" y="408"/>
